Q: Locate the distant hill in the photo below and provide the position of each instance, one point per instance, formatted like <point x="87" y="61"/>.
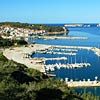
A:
<point x="35" y="26"/>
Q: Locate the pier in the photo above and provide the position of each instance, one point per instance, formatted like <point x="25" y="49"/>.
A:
<point x="63" y="37"/>
<point x="69" y="50"/>
<point x="71" y="47"/>
<point x="96" y="50"/>
<point x="51" y="75"/>
<point x="51" y="67"/>
<point x="61" y="58"/>
<point x="82" y="83"/>
<point x="62" y="53"/>
<point x="57" y="37"/>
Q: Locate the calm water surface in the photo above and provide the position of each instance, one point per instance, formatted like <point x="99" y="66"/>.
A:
<point x="93" y="33"/>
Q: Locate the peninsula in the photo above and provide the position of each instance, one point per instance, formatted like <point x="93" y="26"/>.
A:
<point x="17" y="29"/>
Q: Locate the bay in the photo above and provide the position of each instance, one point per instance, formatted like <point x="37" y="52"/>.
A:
<point x="93" y="34"/>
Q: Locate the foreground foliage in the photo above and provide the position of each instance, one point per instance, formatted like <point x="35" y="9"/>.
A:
<point x="18" y="82"/>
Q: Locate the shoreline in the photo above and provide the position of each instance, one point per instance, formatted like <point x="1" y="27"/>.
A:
<point x="22" y="54"/>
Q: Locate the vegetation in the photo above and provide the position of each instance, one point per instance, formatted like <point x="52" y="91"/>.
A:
<point x="8" y="42"/>
<point x="17" y="82"/>
<point x="34" y="26"/>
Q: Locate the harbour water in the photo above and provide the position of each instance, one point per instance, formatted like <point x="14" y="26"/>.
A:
<point x="93" y="34"/>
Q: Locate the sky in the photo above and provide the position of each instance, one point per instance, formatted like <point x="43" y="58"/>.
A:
<point x="50" y="11"/>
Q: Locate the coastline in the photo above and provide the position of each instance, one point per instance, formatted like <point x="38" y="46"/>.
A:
<point x="22" y="54"/>
<point x="18" y="54"/>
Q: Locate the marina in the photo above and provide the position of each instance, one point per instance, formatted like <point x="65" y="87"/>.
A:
<point x="60" y="61"/>
<point x="13" y="54"/>
<point x="50" y="50"/>
<point x="60" y="57"/>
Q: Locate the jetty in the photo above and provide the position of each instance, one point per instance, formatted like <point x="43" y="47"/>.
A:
<point x="82" y="83"/>
<point x="62" y="53"/>
<point x="96" y="50"/>
<point x="68" y="66"/>
<point x="60" y="58"/>
<point x="63" y="37"/>
<point x="68" y="50"/>
<point x="51" y="75"/>
<point x="45" y="37"/>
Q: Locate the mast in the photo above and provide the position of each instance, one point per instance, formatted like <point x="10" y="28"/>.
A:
<point x="75" y="59"/>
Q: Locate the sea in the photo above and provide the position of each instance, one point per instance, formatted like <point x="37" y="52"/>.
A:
<point x="93" y="34"/>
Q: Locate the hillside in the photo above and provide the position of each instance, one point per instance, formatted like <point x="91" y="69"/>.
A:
<point x="18" y="82"/>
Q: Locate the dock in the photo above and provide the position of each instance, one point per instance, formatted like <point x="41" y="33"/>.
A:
<point x="68" y="50"/>
<point x="52" y="67"/>
<point x="71" y="47"/>
<point x="61" y="58"/>
<point x="96" y="50"/>
<point x="62" y="53"/>
<point x="83" y="83"/>
<point x="51" y="75"/>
